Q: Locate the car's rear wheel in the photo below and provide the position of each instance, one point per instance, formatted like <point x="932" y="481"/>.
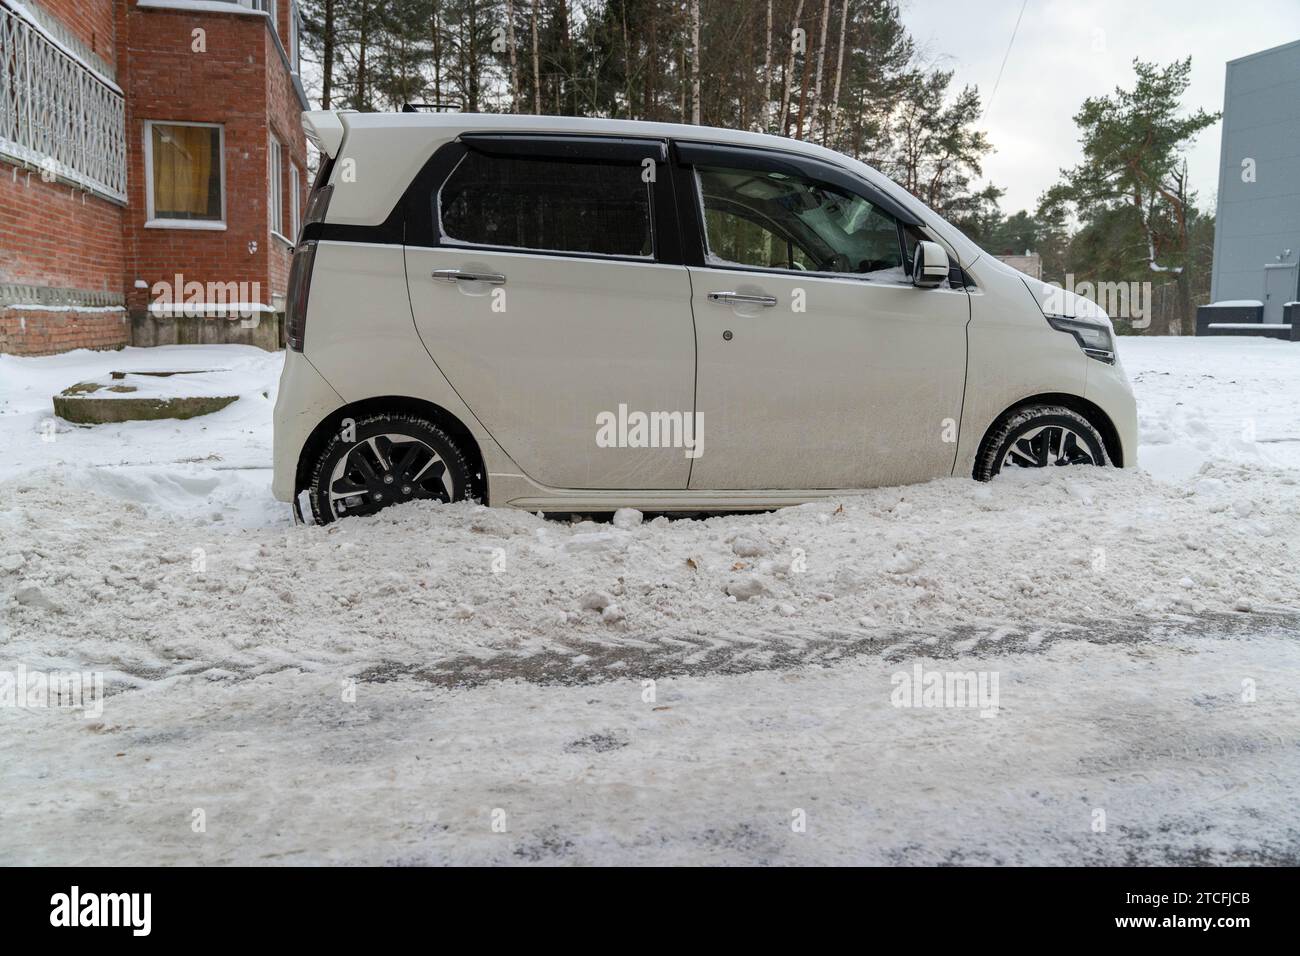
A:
<point x="387" y="459"/>
<point x="1041" y="436"/>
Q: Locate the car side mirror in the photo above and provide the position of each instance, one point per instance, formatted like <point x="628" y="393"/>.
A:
<point x="929" y="265"/>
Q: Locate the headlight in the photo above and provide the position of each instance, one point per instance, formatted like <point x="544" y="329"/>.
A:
<point x="1094" y="338"/>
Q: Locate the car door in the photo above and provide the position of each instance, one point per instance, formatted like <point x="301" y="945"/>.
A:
<point x="546" y="291"/>
<point x="819" y="364"/>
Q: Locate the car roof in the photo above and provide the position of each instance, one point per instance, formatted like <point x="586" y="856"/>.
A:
<point x="509" y="122"/>
<point x="437" y="126"/>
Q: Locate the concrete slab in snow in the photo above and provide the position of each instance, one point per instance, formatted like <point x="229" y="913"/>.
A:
<point x="144" y="396"/>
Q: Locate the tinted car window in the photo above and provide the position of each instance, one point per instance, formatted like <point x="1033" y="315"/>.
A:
<point x="550" y="205"/>
<point x="742" y="237"/>
<point x="791" y="222"/>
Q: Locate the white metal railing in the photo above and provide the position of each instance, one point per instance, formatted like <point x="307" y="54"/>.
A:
<point x="63" y="35"/>
<point x="58" y="114"/>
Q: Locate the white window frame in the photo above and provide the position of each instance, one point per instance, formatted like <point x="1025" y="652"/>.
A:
<point x="294" y="27"/>
<point x="275" y="194"/>
<point x="267" y="7"/>
<point x="151" y="221"/>
<point x="295" y="202"/>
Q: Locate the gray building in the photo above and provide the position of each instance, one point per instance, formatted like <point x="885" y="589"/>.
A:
<point x="1257" y="231"/>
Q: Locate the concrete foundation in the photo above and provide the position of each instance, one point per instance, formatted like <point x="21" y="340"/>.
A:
<point x="266" y="331"/>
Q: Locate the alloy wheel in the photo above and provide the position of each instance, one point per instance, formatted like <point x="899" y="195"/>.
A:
<point x="384" y="470"/>
<point x="1049" y="445"/>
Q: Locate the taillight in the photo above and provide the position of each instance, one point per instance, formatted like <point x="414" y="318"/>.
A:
<point x="318" y="203"/>
<point x="304" y="257"/>
<point x="295" y="309"/>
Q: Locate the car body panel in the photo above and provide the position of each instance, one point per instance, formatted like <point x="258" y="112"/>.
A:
<point x="564" y="340"/>
<point x="1013" y="356"/>
<point x="844" y="383"/>
<point x="302" y="402"/>
<point x="362" y="341"/>
<point x="1108" y="388"/>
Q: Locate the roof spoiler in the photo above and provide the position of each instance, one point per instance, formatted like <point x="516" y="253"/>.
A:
<point x="325" y="129"/>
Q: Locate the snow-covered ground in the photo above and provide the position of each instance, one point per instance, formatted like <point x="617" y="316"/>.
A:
<point x="405" y="688"/>
<point x="212" y="470"/>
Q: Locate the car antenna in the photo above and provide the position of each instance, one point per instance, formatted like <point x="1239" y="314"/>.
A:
<point x="429" y="107"/>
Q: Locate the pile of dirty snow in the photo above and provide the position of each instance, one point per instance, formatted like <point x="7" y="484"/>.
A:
<point x="1027" y="555"/>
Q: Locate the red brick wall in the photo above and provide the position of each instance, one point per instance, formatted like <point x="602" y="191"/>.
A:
<point x="57" y="235"/>
<point x="43" y="332"/>
<point x="90" y="21"/>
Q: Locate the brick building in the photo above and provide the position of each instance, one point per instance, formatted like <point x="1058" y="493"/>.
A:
<point x="152" y="171"/>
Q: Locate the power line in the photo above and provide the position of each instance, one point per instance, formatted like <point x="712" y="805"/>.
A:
<point x="1005" y="56"/>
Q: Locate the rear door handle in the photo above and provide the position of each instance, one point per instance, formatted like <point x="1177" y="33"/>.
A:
<point x="459" y="275"/>
<point x="742" y="298"/>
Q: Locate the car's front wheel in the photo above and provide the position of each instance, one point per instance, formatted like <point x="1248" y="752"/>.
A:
<point x="387" y="459"/>
<point x="1041" y="436"/>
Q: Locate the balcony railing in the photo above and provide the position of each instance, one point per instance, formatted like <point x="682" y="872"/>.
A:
<point x="57" y="114"/>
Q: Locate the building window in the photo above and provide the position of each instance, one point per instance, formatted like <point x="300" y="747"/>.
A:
<point x="185" y="175"/>
<point x="267" y="6"/>
<point x="295" y="191"/>
<point x="276" y="186"/>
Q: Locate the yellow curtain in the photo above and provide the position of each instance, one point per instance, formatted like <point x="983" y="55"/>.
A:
<point x="182" y="165"/>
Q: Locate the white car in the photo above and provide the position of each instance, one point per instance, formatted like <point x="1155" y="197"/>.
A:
<point x="579" y="315"/>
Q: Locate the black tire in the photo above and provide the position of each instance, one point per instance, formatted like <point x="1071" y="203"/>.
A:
<point x="388" y="459"/>
<point x="1029" y="437"/>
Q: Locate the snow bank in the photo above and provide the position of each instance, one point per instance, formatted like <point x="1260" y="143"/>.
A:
<point x="428" y="585"/>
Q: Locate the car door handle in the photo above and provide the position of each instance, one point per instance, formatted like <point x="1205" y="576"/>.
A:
<point x="459" y="275"/>
<point x="742" y="298"/>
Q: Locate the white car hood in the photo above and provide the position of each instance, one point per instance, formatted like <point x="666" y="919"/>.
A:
<point x="1056" y="300"/>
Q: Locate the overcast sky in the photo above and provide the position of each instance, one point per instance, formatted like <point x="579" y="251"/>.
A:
<point x="1067" y="50"/>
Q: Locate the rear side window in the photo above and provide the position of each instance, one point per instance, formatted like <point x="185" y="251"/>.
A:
<point x="547" y="205"/>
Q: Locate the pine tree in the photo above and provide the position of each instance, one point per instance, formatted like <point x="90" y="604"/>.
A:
<point x="730" y="63"/>
<point x="1133" y="146"/>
